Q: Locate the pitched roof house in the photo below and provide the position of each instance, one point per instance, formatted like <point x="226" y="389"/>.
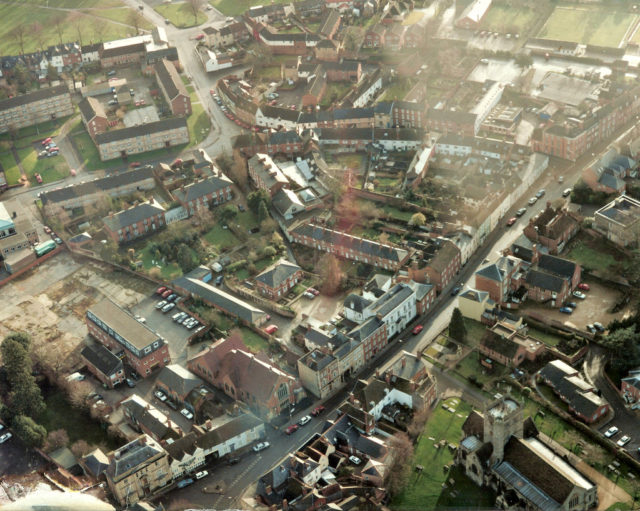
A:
<point x="177" y="382"/>
<point x="278" y="279"/>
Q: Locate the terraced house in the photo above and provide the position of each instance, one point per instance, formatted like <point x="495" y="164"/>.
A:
<point x="204" y="193"/>
<point x="93" y="116"/>
<point x="140" y="139"/>
<point x="173" y="90"/>
<point x="276" y="281"/>
<point x="134" y="222"/>
<point x="35" y="107"/>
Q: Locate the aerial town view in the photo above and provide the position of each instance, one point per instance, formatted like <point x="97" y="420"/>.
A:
<point x="329" y="255"/>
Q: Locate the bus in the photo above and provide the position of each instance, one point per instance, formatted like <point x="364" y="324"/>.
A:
<point x="45" y="247"/>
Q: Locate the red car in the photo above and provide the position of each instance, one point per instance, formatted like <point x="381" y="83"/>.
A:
<point x="313" y="291"/>
<point x="38" y="178"/>
<point x="583" y="286"/>
<point x="271" y="329"/>
<point x="292" y="429"/>
<point x="317" y="411"/>
<point x="161" y="290"/>
<point x="511" y="221"/>
<point x="166" y="293"/>
<point x="135" y="165"/>
<point x="199" y="37"/>
<point x="417" y="329"/>
<point x="46" y="141"/>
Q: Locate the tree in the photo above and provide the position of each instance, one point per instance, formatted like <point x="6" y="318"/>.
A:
<point x="52" y="73"/>
<point x="30" y="432"/>
<point x="227" y="213"/>
<point x="195" y="6"/>
<point x="523" y="60"/>
<point x="353" y="38"/>
<point x="418" y="422"/>
<point x="26" y="398"/>
<point x="37" y="33"/>
<point x="417" y="220"/>
<point x="19" y="35"/>
<point x="457" y="330"/>
<point x="78" y="393"/>
<point x="401" y="452"/>
<point x="185" y="258"/>
<point x="78" y="21"/>
<point x="277" y="241"/>
<point x="59" y="23"/>
<point x="331" y="274"/>
<point x="16" y="360"/>
<point x="56" y="439"/>
<point x="263" y="212"/>
<point x="135" y="19"/>
<point x="624" y="346"/>
<point x="255" y="198"/>
<point x="269" y="251"/>
<point x="20" y="337"/>
<point x="80" y="448"/>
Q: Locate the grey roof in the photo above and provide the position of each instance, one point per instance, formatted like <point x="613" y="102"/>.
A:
<point x="123" y="50"/>
<point x="133" y="215"/>
<point x="354" y="243"/>
<point x="474" y="295"/>
<point x="230" y="429"/>
<point x="32" y="97"/>
<point x="451" y="116"/>
<point x="613" y="182"/>
<point x="278" y="273"/>
<point x="284" y="137"/>
<point x="63" y="457"/>
<point x="169" y="78"/>
<point x="491" y="272"/>
<point x="184" y="445"/>
<point x="90" y="107"/>
<point x="96" y="462"/>
<point x="144" y="129"/>
<point x="544" y="280"/>
<point x="328" y="21"/>
<point x="219" y="298"/>
<point x="420" y="289"/>
<point x="201" y="188"/>
<point x="178" y="379"/>
<point x="557" y="265"/>
<point x="135" y="454"/>
<point x="367" y="134"/>
<point x="367" y="328"/>
<point x="104" y="184"/>
<point x="388" y="302"/>
<point x="317" y="360"/>
<point x="100" y="357"/>
<point x="275" y="112"/>
<point x="525" y="487"/>
<point x="356" y="302"/>
<point x="268" y="35"/>
<point x="146" y="415"/>
<point x="317" y="337"/>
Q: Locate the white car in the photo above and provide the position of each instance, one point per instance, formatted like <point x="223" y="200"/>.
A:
<point x="580" y="295"/>
<point x="5" y="437"/>
<point x="305" y="420"/>
<point x="261" y="446"/>
<point x="160" y="395"/>
<point x="161" y="304"/>
<point x="533" y="200"/>
<point x="186" y="413"/>
<point x="168" y="307"/>
<point x="355" y="460"/>
<point x="200" y="475"/>
<point x="612" y="431"/>
<point x="623" y="441"/>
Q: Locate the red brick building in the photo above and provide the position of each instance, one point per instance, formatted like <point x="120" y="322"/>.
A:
<point x="204" y="193"/>
<point x="448" y="121"/>
<point x="135" y="222"/>
<point x="173" y="90"/>
<point x="372" y="334"/>
<point x="408" y="114"/>
<point x="103" y="364"/>
<point x="444" y="265"/>
<point x="552" y="228"/>
<point x="375" y="37"/>
<point x="276" y="281"/>
<point x="343" y="71"/>
<point x="630" y="386"/>
<point x="143" y="349"/>
<point x="93" y="116"/>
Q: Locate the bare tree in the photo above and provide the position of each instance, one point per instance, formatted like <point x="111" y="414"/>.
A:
<point x="420" y="418"/>
<point x="195" y="6"/>
<point x="80" y="448"/>
<point x="56" y="439"/>
<point x="78" y="21"/>
<point x="331" y="274"/>
<point x="78" y="392"/>
<point x="135" y="19"/>
<point x="37" y="32"/>
<point x="98" y="29"/>
<point x="19" y="35"/>
<point x="397" y="474"/>
<point x="59" y="22"/>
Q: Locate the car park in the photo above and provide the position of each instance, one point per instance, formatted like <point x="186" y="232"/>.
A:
<point x="417" y="329"/>
<point x="192" y="325"/>
<point x="521" y="211"/>
<point x="317" y="411"/>
<point x="304" y="420"/>
<point x="580" y="295"/>
<point x="566" y="310"/>
<point x="168" y="307"/>
<point x="584" y="287"/>
<point x="261" y="446"/>
<point x="292" y="429"/>
<point x="160" y="395"/>
<point x="623" y="441"/>
<point x="186" y="413"/>
<point x="511" y="221"/>
<point x="201" y="474"/>
<point x="5" y="437"/>
<point x="177" y="316"/>
<point x="355" y="460"/>
<point x="533" y="200"/>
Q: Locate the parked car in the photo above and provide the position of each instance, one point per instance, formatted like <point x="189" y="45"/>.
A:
<point x="172" y="297"/>
<point x="355" y="460"/>
<point x="455" y="290"/>
<point x="161" y="304"/>
<point x="233" y="461"/>
<point x="168" y="307"/>
<point x="417" y="329"/>
<point x="5" y="437"/>
<point x="176" y="163"/>
<point x="261" y="446"/>
<point x="160" y="395"/>
<point x="201" y="474"/>
<point x="58" y="241"/>
<point x="566" y="192"/>
<point x="292" y="429"/>
<point x="591" y="328"/>
<point x="533" y="200"/>
<point x="573" y="305"/>
<point x="199" y="37"/>
<point x="623" y="441"/>
<point x="186" y="413"/>
<point x="566" y="310"/>
<point x="521" y="211"/>
<point x="130" y="382"/>
<point x="511" y="221"/>
<point x="599" y="326"/>
<point x="219" y="280"/>
<point x="304" y="421"/>
<point x="271" y="329"/>
<point x="166" y="293"/>
<point x="313" y="291"/>
<point x="580" y="295"/>
<point x="540" y="193"/>
<point x="135" y="165"/>
<point x="612" y="431"/>
<point x="184" y="483"/>
<point x="47" y="141"/>
<point x="317" y="411"/>
<point x="583" y="286"/>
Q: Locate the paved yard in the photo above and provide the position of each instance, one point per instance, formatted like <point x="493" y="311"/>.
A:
<point x="15" y="458"/>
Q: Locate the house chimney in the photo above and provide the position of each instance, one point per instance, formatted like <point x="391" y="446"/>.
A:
<point x="387" y="377"/>
<point x="404" y="362"/>
<point x="352" y="398"/>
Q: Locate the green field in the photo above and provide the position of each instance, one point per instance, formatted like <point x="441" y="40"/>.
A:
<point x="180" y="15"/>
<point x="168" y="271"/>
<point x="506" y="18"/>
<point x="234" y="7"/>
<point x="253" y="341"/>
<point x="198" y="123"/>
<point x="601" y="27"/>
<point x="589" y="258"/>
<point x="11" y="170"/>
<point x="220" y="238"/>
<point x="397" y="90"/>
<point x="50" y="169"/>
<point x="90" y="20"/>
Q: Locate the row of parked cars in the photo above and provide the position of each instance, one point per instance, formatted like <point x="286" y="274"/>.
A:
<point x="228" y="114"/>
<point x="189" y="322"/>
<point x="49" y="148"/>
<point x="569" y="307"/>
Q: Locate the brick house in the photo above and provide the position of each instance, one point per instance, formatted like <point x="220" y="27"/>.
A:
<point x="93" y="116"/>
<point x="144" y="350"/>
<point x="408" y="114"/>
<point x="326" y="51"/>
<point x="630" y="385"/>
<point x="552" y="228"/>
<point x="500" y="279"/>
<point x="276" y="281"/>
<point x="226" y="36"/>
<point x="177" y="382"/>
<point x="204" y="193"/>
<point x="474" y="13"/>
<point x="173" y="90"/>
<point x="315" y="91"/>
<point x="266" y="174"/>
<point x="135" y="222"/>
<point x="509" y="345"/>
<point x="448" y="121"/>
<point x="103" y="364"/>
<point x="618" y="221"/>
<point x="372" y="334"/>
<point x="564" y="268"/>
<point x="122" y="52"/>
<point x="375" y="37"/>
<point x="343" y="71"/>
<point x="241" y="375"/>
<point x="147" y="419"/>
<point x="444" y="265"/>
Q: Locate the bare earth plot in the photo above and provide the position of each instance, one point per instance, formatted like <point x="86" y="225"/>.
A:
<point x="586" y="25"/>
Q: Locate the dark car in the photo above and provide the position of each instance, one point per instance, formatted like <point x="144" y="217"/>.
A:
<point x="455" y="290"/>
<point x="566" y="310"/>
<point x="573" y="305"/>
<point x="233" y="461"/>
<point x="131" y="383"/>
<point x="184" y="482"/>
<point x="172" y="297"/>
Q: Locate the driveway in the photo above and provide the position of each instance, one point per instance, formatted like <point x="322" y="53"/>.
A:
<point x="16" y="458"/>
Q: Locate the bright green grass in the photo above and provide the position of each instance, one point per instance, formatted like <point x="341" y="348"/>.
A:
<point x="50" y="169"/>
<point x="168" y="271"/>
<point x="509" y="18"/>
<point x="234" y="7"/>
<point x="601" y="27"/>
<point x="11" y="170"/>
<point x="220" y="238"/>
<point x="396" y="213"/>
<point x="122" y="15"/>
<point x="198" y="123"/>
<point x="548" y="339"/>
<point x="268" y="74"/>
<point x="88" y="152"/>
<point x="75" y="4"/>
<point x="253" y="341"/>
<point x="180" y="15"/>
<point x="424" y="490"/>
<point x="247" y="220"/>
<point x="589" y="258"/>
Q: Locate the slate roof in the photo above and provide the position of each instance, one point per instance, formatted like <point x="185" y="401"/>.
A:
<point x="32" y="97"/>
<point x="122" y="50"/>
<point x="199" y="189"/>
<point x="284" y="137"/>
<point x="491" y="272"/>
<point x="132" y="215"/>
<point x="328" y="22"/>
<point x="451" y="116"/>
<point x="134" y="454"/>
<point x="268" y="35"/>
<point x="275" y="112"/>
<point x="184" y="445"/>
<point x="356" y="302"/>
<point x="367" y="328"/>
<point x="225" y="301"/>
<point x="230" y="429"/>
<point x="475" y="295"/>
<point x="100" y="357"/>
<point x="149" y="128"/>
<point x="391" y="300"/>
<point x="178" y="379"/>
<point x="168" y="76"/>
<point x="495" y="342"/>
<point x="557" y="265"/>
<point x="96" y="462"/>
<point x="278" y="273"/>
<point x="368" y="134"/>
<point x="317" y="360"/>
<point x="443" y="257"/>
<point x="354" y="243"/>
<point x="146" y="416"/>
<point x="90" y="107"/>
<point x="543" y="280"/>
<point x="317" y="337"/>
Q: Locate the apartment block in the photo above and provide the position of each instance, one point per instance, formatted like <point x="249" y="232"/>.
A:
<point x="173" y="90"/>
<point x="35" y="107"/>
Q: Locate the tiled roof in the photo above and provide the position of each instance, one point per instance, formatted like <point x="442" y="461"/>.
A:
<point x="100" y="357"/>
<point x="169" y="78"/>
<point x="443" y="257"/>
<point x="144" y="129"/>
<point x="32" y="97"/>
<point x="230" y="429"/>
<point x="133" y="215"/>
<point x="146" y="415"/>
<point x="543" y="280"/>
<point x="132" y="455"/>
<point x="90" y="107"/>
<point x="195" y="191"/>
<point x="367" y="328"/>
<point x="356" y="302"/>
<point x="277" y="274"/>
<point x="328" y="22"/>
<point x="178" y="379"/>
<point x="275" y="112"/>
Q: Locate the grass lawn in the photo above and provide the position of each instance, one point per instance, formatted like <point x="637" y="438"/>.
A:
<point x="11" y="170"/>
<point x="335" y="92"/>
<point x="168" y="271"/>
<point x="548" y="339"/>
<point x="180" y="15"/>
<point x="351" y="161"/>
<point x="233" y="7"/>
<point x="424" y="490"/>
<point x="268" y="74"/>
<point x="475" y="331"/>
<point x="220" y="238"/>
<point x="506" y="18"/>
<point x="253" y="341"/>
<point x="50" y="169"/>
<point x="92" y="25"/>
<point x="79" y="426"/>
<point x="397" y="90"/>
<point x="89" y="155"/>
<point x="403" y="216"/>
<point x="198" y="124"/>
<point x="242" y="274"/>
<point x="589" y="258"/>
<point x="598" y="26"/>
<point x="36" y="132"/>
<point x="247" y="220"/>
<point x="263" y="263"/>
<point x="470" y="366"/>
<point x="123" y="15"/>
